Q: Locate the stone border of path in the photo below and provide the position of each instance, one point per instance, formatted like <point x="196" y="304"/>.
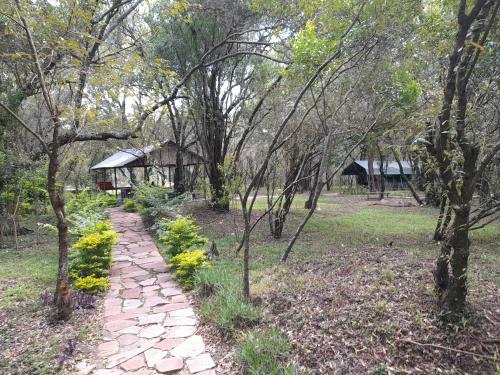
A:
<point x="149" y="325"/>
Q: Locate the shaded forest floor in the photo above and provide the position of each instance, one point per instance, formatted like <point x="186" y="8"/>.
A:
<point x="356" y="296"/>
<point x="31" y="342"/>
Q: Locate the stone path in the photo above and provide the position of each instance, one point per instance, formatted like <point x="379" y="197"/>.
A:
<point x="149" y="325"/>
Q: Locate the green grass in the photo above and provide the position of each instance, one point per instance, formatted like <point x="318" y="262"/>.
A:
<point x="262" y="352"/>
<point x="338" y="228"/>
<point x="223" y="302"/>
<point x="26" y="272"/>
<point x="324" y="203"/>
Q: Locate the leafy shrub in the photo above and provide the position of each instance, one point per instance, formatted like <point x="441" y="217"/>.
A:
<point x="154" y="205"/>
<point x="91" y="284"/>
<point x="129" y="205"/>
<point x="180" y="235"/>
<point x="99" y="227"/>
<point x="93" y="257"/>
<point x="187" y="264"/>
<point x="86" y="210"/>
<point x="151" y="196"/>
<point x="262" y="352"/>
<point x="85" y="202"/>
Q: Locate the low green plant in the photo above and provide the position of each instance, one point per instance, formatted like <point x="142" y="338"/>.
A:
<point x="148" y="195"/>
<point x="91" y="284"/>
<point x="93" y="254"/>
<point x="100" y="227"/>
<point x="85" y="211"/>
<point x="186" y="264"/>
<point x="387" y="275"/>
<point x="154" y="205"/>
<point x="129" y="205"/>
<point x="381" y="370"/>
<point x="229" y="311"/>
<point x="209" y="281"/>
<point x="180" y="235"/>
<point x="264" y="352"/>
<point x="86" y="201"/>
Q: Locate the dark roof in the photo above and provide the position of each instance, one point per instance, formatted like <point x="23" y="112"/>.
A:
<point x="389" y="168"/>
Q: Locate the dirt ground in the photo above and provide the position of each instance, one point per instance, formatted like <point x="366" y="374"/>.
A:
<point x="365" y="308"/>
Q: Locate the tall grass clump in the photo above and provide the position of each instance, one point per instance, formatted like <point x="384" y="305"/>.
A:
<point x="223" y="302"/>
<point x="265" y="352"/>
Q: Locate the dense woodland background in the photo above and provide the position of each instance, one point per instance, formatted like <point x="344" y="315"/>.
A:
<point x="277" y="97"/>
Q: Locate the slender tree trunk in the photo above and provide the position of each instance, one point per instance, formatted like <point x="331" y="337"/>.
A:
<point x="405" y="179"/>
<point x="317" y="191"/>
<point x="179" y="178"/>
<point x="438" y="233"/>
<point x="382" y="175"/>
<point x="62" y="298"/>
<point x="308" y="202"/>
<point x="328" y="182"/>
<point x="371" y="178"/>
<point x="246" y="254"/>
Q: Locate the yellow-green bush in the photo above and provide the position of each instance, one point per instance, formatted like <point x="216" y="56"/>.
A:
<point x="186" y="264"/>
<point x="99" y="227"/>
<point x="93" y="254"/>
<point x="180" y="235"/>
<point x="129" y="205"/>
<point x="91" y="284"/>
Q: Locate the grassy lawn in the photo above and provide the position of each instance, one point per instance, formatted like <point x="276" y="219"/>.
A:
<point x="30" y="341"/>
<point x="359" y="277"/>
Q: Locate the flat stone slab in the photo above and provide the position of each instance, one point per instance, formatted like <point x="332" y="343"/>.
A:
<point x="152" y="331"/>
<point x="149" y="325"/>
<point x="200" y="363"/>
<point x="191" y="347"/>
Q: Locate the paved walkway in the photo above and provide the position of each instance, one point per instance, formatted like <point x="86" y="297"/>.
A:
<point x="149" y="327"/>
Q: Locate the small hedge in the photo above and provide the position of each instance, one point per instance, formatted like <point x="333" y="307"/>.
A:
<point x="91" y="284"/>
<point x="180" y="235"/>
<point x="186" y="265"/>
<point x="94" y="254"/>
<point x="92" y="259"/>
<point x="129" y="205"/>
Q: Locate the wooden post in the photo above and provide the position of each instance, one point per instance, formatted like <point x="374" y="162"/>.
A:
<point x="116" y="184"/>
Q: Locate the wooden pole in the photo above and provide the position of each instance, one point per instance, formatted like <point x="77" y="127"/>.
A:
<point x="116" y="184"/>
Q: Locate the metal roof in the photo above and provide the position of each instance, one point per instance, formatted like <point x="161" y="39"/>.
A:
<point x="122" y="158"/>
<point x="389" y="167"/>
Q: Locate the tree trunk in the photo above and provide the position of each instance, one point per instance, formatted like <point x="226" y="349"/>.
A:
<point x="179" y="184"/>
<point x="382" y="175"/>
<point x="246" y="255"/>
<point x="219" y="196"/>
<point x="371" y="178"/>
<point x="328" y="182"/>
<point x="405" y="179"/>
<point x="453" y="298"/>
<point x="438" y="233"/>
<point x="62" y="297"/>
<point x="277" y="228"/>
<point x="308" y="202"/>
